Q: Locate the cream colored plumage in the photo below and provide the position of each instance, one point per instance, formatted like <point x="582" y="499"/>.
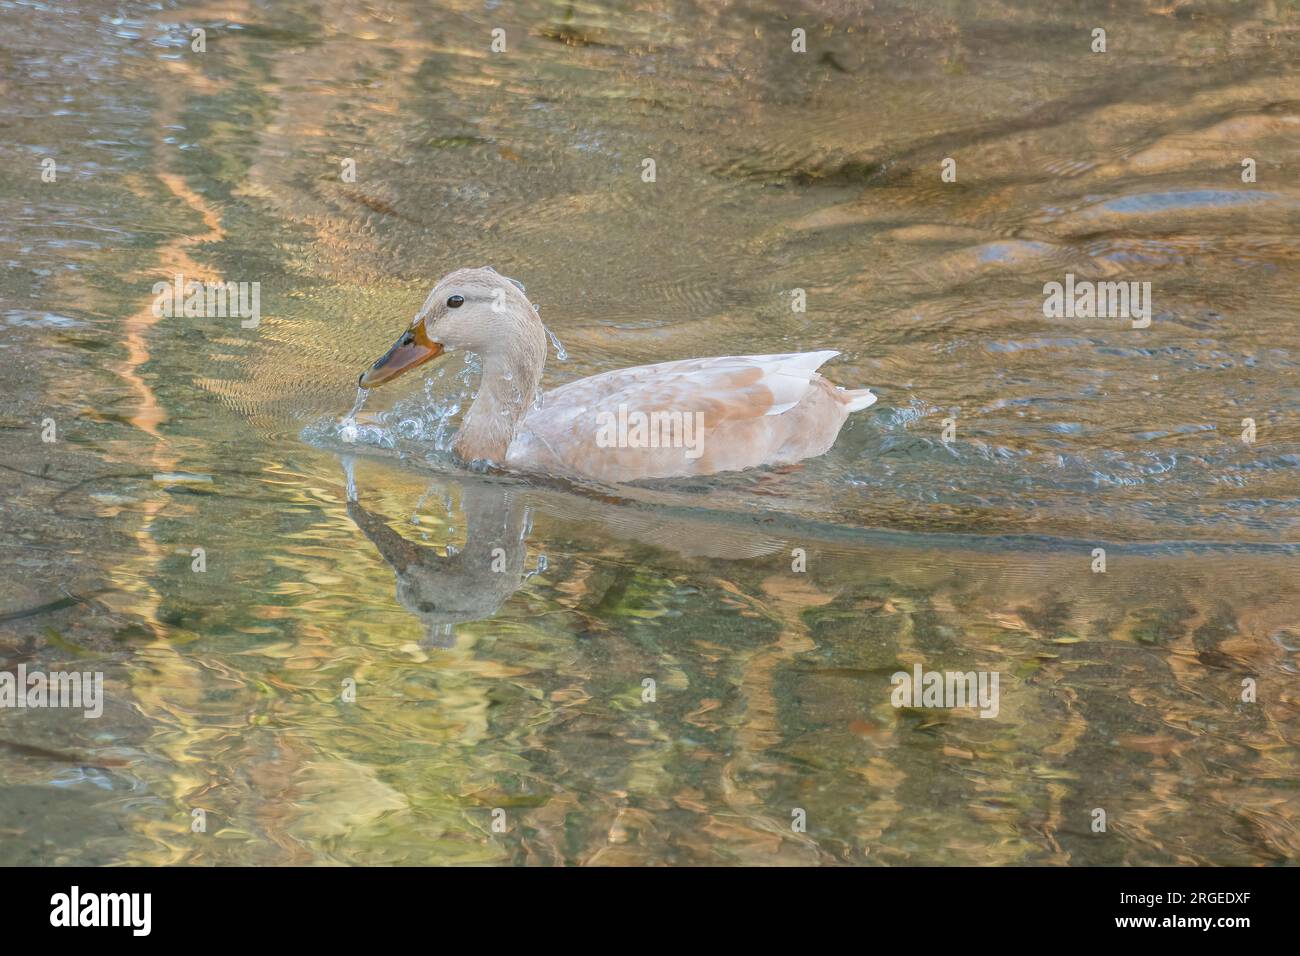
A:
<point x="706" y="415"/>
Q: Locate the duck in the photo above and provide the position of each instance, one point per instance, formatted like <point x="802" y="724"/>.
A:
<point x="677" y="419"/>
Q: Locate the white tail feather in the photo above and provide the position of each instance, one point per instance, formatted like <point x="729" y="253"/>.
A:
<point x="788" y="376"/>
<point x="859" y="399"/>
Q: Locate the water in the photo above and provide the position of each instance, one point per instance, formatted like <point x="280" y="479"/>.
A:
<point x="348" y="429"/>
<point x="347" y="550"/>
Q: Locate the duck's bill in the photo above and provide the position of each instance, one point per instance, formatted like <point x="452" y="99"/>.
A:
<point x="412" y="349"/>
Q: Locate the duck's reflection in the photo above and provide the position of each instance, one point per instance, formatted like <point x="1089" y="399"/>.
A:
<point x="460" y="586"/>
<point x="472" y="584"/>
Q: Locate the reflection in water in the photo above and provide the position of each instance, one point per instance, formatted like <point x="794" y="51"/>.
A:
<point x="465" y="584"/>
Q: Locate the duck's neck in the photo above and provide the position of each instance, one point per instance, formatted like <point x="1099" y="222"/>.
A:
<point x="508" y="390"/>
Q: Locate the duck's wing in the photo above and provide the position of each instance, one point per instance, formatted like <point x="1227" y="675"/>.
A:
<point x="725" y="387"/>
<point x="727" y="399"/>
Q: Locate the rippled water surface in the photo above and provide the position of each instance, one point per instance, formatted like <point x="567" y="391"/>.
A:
<point x="498" y="630"/>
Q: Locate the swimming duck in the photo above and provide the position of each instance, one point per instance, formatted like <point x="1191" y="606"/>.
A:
<point x="673" y="419"/>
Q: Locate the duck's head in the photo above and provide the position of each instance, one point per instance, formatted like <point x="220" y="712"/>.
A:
<point x="474" y="310"/>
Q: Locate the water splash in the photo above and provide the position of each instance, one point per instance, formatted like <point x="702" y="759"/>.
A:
<point x="419" y="423"/>
<point x="560" y="354"/>
<point x="541" y="568"/>
<point x="348" y="426"/>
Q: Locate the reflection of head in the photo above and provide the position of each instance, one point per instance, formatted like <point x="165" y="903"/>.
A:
<point x="460" y="586"/>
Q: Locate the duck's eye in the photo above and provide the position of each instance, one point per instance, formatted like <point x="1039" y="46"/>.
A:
<point x="455" y="302"/>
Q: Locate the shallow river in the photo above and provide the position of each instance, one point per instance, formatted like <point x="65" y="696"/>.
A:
<point x="296" y="624"/>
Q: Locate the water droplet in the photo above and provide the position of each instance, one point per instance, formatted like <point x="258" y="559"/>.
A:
<point x="560" y="354"/>
<point x="348" y="426"/>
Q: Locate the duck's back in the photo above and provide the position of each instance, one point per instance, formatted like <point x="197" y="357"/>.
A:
<point x="690" y="417"/>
